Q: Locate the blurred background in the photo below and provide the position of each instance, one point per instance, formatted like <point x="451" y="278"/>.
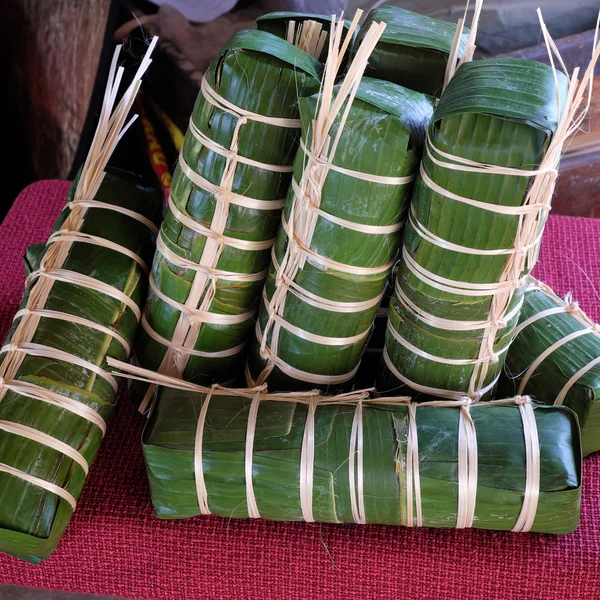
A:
<point x="58" y="55"/>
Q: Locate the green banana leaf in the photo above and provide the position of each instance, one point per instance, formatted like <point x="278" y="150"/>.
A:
<point x="33" y="520"/>
<point x="413" y="50"/>
<point x="383" y="135"/>
<point x="168" y="442"/>
<point x="277" y="24"/>
<point x="559" y="366"/>
<point x="261" y="73"/>
<point x="500" y="112"/>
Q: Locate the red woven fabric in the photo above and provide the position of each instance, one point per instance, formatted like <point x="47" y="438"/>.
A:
<point x="115" y="546"/>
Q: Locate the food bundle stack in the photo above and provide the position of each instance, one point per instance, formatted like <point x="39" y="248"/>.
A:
<point x="224" y="209"/>
<point x="342" y="225"/>
<point x="555" y="357"/>
<point x="348" y="459"/>
<point x="477" y="215"/>
<point x="472" y="236"/>
<point x="491" y="149"/>
<point x="81" y="306"/>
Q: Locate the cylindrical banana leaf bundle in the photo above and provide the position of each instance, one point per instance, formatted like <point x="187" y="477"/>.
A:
<point x="57" y="392"/>
<point x="508" y="466"/>
<point x="474" y="228"/>
<point x="305" y="30"/>
<point x="225" y="207"/>
<point x="318" y="318"/>
<point x="413" y="50"/>
<point x="555" y="357"/>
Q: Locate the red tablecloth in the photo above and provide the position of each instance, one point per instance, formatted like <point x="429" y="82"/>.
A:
<point x="114" y="545"/>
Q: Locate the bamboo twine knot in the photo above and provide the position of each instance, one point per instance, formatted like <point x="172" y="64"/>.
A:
<point x="573" y="307"/>
<point x="521" y="400"/>
<point x="500" y="323"/>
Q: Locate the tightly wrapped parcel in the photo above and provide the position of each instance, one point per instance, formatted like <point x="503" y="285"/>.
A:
<point x="474" y="229"/>
<point x="510" y="465"/>
<point x="342" y="226"/>
<point x="58" y="393"/>
<point x="224" y="210"/>
<point x="413" y="50"/>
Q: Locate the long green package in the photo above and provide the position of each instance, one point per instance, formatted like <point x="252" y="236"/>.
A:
<point x="463" y="243"/>
<point x="68" y="403"/>
<point x="413" y="50"/>
<point x="200" y="450"/>
<point x="225" y="208"/>
<point x="555" y="357"/>
<point x="318" y="335"/>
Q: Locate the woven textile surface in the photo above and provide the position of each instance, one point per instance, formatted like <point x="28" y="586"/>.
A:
<point x="114" y="545"/>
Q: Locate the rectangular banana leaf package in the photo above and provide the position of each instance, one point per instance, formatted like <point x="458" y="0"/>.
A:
<point x="348" y="459"/>
<point x="413" y="50"/>
<point x="474" y="229"/>
<point x="224" y="210"/>
<point x="55" y="404"/>
<point x="342" y="226"/>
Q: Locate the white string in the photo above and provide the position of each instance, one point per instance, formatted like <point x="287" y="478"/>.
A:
<point x="253" y="511"/>
<point x="451" y="324"/>
<point x="307" y="463"/>
<point x="356" y="467"/>
<point x="206" y="317"/>
<point x="432" y="357"/>
<point x="201" y="491"/>
<point x="70" y="318"/>
<point x="431" y="391"/>
<point x="565" y="306"/>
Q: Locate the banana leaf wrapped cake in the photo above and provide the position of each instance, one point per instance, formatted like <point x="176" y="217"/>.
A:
<point x="81" y="307"/>
<point x="225" y="207"/>
<point x="57" y="392"/>
<point x="342" y="226"/>
<point x="474" y="228"/>
<point x="348" y="459"/>
<point x="555" y="357"/>
<point x="413" y="50"/>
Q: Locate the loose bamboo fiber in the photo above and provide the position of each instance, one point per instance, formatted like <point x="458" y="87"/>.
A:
<point x="225" y="206"/>
<point x="351" y="459"/>
<point x="305" y="30"/>
<point x="476" y="220"/>
<point x="82" y="305"/>
<point x="342" y="225"/>
<point x="555" y="356"/>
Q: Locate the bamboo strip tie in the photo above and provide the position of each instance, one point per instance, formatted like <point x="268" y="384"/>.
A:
<point x="111" y="128"/>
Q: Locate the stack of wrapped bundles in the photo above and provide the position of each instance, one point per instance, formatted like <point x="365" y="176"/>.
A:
<point x="225" y="208"/>
<point x="348" y="459"/>
<point x="414" y="49"/>
<point x="555" y="357"/>
<point x="81" y="306"/>
<point x="342" y="226"/>
<point x="474" y="229"/>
